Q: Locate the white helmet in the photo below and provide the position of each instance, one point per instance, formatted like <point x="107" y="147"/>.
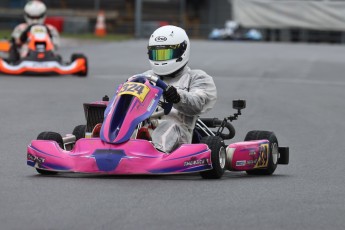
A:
<point x="168" y="50"/>
<point x="35" y="12"/>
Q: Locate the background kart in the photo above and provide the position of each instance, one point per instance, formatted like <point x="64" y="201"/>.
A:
<point x="41" y="59"/>
<point x="120" y="143"/>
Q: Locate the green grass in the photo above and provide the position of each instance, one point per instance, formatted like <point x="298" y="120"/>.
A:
<point x="5" y="34"/>
<point x="89" y="36"/>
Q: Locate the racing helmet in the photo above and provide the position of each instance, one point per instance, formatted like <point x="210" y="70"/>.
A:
<point x="35" y="12"/>
<point x="168" y="50"/>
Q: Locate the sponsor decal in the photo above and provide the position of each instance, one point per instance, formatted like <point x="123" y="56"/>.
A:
<point x="160" y="39"/>
<point x="263" y="156"/>
<point x="41" y="65"/>
<point x="37" y="160"/>
<point x="193" y="162"/>
<point x="240" y="163"/>
<point x="250" y="162"/>
<point x="151" y="104"/>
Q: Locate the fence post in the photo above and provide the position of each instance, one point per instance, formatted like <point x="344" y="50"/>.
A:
<point x="138" y="10"/>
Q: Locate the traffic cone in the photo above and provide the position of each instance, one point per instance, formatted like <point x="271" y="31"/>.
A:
<point x="100" y="28"/>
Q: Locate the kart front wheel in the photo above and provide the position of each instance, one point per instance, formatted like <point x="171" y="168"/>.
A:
<point x="52" y="136"/>
<point x="218" y="157"/>
<point x="75" y="57"/>
<point x="273" y="151"/>
<point x="79" y="131"/>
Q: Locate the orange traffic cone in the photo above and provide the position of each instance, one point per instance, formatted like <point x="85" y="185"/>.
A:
<point x="100" y="29"/>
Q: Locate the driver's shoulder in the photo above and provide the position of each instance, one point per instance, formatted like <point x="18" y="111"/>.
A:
<point x="21" y="26"/>
<point x="51" y="27"/>
<point x="198" y="73"/>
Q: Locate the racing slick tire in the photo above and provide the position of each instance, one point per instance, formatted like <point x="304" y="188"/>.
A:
<point x="218" y="157"/>
<point x="53" y="137"/>
<point x="75" y="57"/>
<point x="273" y="151"/>
<point x="79" y="131"/>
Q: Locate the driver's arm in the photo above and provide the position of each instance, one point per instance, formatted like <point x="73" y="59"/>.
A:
<point x="17" y="32"/>
<point x="201" y="97"/>
<point x="55" y="36"/>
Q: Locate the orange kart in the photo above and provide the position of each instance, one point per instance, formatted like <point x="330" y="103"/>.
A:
<point x="41" y="59"/>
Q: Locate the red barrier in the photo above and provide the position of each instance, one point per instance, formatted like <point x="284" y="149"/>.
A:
<point x="55" y="21"/>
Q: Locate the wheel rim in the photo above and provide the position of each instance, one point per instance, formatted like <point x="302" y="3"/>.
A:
<point x="275" y="153"/>
<point x="222" y="157"/>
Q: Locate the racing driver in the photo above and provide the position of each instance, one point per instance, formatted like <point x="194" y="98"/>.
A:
<point x="191" y="91"/>
<point x="34" y="13"/>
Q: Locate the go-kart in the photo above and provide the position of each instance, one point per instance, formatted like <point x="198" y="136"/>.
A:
<point x="41" y="58"/>
<point x="116" y="140"/>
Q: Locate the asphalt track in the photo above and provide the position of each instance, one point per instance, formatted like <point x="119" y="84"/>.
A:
<point x="295" y="90"/>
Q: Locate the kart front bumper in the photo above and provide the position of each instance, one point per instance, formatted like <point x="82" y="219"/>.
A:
<point x="43" y="67"/>
<point x="92" y="155"/>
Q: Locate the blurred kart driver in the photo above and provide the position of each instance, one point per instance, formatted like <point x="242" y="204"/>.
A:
<point x="34" y="13"/>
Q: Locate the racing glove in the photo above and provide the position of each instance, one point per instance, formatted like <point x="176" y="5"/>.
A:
<point x="171" y="95"/>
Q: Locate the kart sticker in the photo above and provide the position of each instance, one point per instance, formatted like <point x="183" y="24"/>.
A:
<point x="37" y="160"/>
<point x="136" y="89"/>
<point x="193" y="162"/>
<point x="240" y="163"/>
<point x="263" y="156"/>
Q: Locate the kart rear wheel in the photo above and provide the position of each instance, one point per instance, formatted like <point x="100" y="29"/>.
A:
<point x="218" y="157"/>
<point x="79" y="131"/>
<point x="273" y="151"/>
<point x="53" y="137"/>
<point x="75" y="57"/>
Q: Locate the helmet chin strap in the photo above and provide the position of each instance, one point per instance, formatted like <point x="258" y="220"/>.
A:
<point x="174" y="74"/>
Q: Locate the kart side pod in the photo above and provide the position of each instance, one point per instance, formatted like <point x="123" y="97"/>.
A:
<point x="253" y="155"/>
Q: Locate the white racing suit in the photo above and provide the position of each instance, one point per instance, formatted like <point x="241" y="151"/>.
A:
<point x="23" y="48"/>
<point x="198" y="95"/>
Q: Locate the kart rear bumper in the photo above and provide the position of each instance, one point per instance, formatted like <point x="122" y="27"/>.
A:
<point x="43" y="67"/>
<point x="133" y="157"/>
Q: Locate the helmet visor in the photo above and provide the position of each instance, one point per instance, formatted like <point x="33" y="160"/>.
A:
<point x="35" y="17"/>
<point x="166" y="52"/>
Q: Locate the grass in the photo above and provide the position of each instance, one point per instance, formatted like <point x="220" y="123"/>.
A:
<point x="88" y="36"/>
<point x="5" y="34"/>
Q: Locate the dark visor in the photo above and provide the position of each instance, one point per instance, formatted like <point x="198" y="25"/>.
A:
<point x="35" y="17"/>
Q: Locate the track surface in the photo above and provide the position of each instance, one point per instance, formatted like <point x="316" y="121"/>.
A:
<point x="295" y="90"/>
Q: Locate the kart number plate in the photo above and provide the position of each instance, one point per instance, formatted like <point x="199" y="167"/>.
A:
<point x="136" y="89"/>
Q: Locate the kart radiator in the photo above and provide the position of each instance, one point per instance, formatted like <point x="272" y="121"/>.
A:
<point x="94" y="114"/>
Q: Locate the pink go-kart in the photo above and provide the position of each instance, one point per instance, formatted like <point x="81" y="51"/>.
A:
<point x="116" y="140"/>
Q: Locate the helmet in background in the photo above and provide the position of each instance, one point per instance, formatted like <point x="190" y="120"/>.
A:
<point x="35" y="12"/>
<point x="168" y="50"/>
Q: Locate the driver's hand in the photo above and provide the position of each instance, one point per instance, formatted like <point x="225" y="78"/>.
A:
<point x="171" y="95"/>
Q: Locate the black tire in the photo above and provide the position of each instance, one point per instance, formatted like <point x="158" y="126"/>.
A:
<point x="273" y="151"/>
<point x="53" y="137"/>
<point x="218" y="157"/>
<point x="79" y="131"/>
<point x="75" y="57"/>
